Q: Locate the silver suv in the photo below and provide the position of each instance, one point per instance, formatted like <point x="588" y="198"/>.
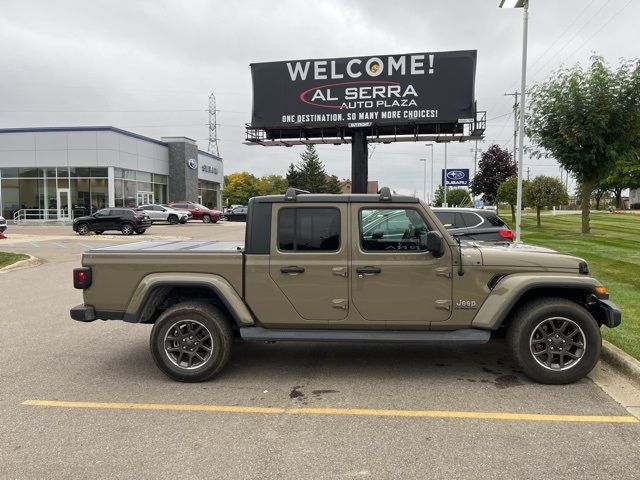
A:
<point x="162" y="213"/>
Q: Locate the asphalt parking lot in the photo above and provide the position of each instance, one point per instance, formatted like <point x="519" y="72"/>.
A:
<point x="85" y="400"/>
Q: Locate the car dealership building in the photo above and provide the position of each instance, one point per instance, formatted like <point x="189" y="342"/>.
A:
<point x="58" y="172"/>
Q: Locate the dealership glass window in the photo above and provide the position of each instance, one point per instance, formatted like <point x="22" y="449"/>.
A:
<point x="10" y="173"/>
<point x="30" y="172"/>
<point x="10" y="196"/>
<point x="208" y="193"/>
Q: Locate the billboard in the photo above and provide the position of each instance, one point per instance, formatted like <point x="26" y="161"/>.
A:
<point x="456" y="177"/>
<point x="352" y="92"/>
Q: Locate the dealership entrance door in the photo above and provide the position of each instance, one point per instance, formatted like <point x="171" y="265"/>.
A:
<point x="145" y="198"/>
<point x="64" y="206"/>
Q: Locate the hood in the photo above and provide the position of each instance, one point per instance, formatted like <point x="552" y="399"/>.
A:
<point x="523" y="255"/>
<point x="85" y="218"/>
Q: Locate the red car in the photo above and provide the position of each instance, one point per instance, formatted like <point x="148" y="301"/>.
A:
<point x="199" y="212"/>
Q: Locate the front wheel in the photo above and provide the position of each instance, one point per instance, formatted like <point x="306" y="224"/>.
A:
<point x="140" y="231"/>
<point x="83" y="229"/>
<point x="191" y="341"/>
<point x="206" y="218"/>
<point x="126" y="229"/>
<point x="173" y="219"/>
<point x="554" y="340"/>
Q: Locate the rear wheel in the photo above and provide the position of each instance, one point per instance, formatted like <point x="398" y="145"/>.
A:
<point x="83" y="229"/>
<point x="191" y="341"/>
<point x="206" y="218"/>
<point x="173" y="219"/>
<point x="554" y="340"/>
<point x="99" y="232"/>
<point x="126" y="229"/>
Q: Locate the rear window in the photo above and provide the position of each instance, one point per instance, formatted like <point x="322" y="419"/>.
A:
<point x="494" y="220"/>
<point x="309" y="229"/>
<point x="447" y="218"/>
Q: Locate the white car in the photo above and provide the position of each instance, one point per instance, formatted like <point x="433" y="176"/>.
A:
<point x="161" y="213"/>
<point x="3" y="224"/>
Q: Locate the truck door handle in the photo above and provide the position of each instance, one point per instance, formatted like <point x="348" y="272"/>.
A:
<point x="362" y="271"/>
<point x="292" y="270"/>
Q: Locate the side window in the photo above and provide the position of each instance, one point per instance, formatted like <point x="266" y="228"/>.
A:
<point x="447" y="219"/>
<point x="470" y="219"/>
<point x="309" y="229"/>
<point x="102" y="213"/>
<point x="387" y="229"/>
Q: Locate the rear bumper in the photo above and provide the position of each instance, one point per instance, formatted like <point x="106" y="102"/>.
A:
<point x="83" y="313"/>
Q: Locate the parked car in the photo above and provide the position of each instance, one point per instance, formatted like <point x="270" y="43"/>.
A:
<point x="3" y="224"/>
<point x="238" y="214"/>
<point x="199" y="212"/>
<point x="231" y="207"/>
<point x="125" y="220"/>
<point x="161" y="213"/>
<point x="474" y="224"/>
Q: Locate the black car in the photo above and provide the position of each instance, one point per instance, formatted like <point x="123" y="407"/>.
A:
<point x="237" y="214"/>
<point x="125" y="220"/>
<point x="474" y="224"/>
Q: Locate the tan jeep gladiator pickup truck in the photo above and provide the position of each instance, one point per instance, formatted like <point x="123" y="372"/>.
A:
<point x="348" y="268"/>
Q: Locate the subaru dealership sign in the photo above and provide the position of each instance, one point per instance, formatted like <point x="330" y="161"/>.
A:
<point x="456" y="177"/>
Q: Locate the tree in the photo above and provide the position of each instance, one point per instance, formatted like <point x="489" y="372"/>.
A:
<point x="495" y="166"/>
<point x="271" y="185"/>
<point x="626" y="174"/>
<point x="310" y="174"/>
<point x="458" y="197"/>
<point x="507" y="193"/>
<point x="239" y="188"/>
<point x="588" y="120"/>
<point x="545" y="191"/>
<point x="293" y="177"/>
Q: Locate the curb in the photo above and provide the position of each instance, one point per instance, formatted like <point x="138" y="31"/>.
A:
<point x="29" y="262"/>
<point x="621" y="361"/>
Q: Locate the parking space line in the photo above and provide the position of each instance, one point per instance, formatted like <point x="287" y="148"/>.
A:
<point x="59" y="245"/>
<point x="89" y="247"/>
<point x="34" y="244"/>
<point x="528" y="417"/>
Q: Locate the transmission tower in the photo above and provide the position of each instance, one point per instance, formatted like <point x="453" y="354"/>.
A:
<point x="213" y="132"/>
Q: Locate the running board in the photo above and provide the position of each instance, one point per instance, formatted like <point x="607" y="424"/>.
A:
<point x="469" y="335"/>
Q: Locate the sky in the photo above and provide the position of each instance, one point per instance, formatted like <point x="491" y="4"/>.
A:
<point x="150" y="66"/>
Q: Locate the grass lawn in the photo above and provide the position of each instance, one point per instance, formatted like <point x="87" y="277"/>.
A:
<point x="613" y="252"/>
<point x="9" y="258"/>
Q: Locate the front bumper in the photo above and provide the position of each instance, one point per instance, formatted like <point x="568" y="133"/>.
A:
<point x="605" y="312"/>
<point x="83" y="313"/>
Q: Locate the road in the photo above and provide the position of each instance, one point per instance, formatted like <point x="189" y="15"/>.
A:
<point x="333" y="410"/>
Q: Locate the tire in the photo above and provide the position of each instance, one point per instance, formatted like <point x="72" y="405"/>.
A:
<point x="126" y="229"/>
<point x="183" y="221"/>
<point x="99" y="232"/>
<point x="140" y="231"/>
<point x="206" y="218"/>
<point x="554" y="341"/>
<point x="173" y="219"/>
<point x="82" y="229"/>
<point x="190" y="321"/>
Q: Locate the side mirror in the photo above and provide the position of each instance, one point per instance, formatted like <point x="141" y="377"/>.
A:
<point x="432" y="242"/>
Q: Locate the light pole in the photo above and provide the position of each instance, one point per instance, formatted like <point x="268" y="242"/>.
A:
<point x="444" y="177"/>
<point x="524" y="4"/>
<point x="430" y="145"/>
<point x="424" y="183"/>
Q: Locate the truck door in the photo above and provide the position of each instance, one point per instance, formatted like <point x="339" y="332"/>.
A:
<point x="393" y="278"/>
<point x="309" y="259"/>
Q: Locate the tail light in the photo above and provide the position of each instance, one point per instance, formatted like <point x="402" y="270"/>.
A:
<point x="82" y="278"/>
<point x="506" y="234"/>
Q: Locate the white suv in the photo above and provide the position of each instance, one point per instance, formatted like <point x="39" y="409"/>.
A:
<point x="161" y="213"/>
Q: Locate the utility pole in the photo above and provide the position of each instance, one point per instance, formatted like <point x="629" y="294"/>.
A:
<point x="515" y="119"/>
<point x="528" y="171"/>
<point x="475" y="166"/>
<point x="213" y="127"/>
<point x="444" y="177"/>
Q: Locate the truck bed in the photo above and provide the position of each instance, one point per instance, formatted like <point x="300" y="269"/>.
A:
<point x="118" y="270"/>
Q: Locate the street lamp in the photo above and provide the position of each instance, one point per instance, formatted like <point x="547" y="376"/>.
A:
<point x="524" y="4"/>
<point x="430" y="145"/>
<point x="424" y="183"/>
